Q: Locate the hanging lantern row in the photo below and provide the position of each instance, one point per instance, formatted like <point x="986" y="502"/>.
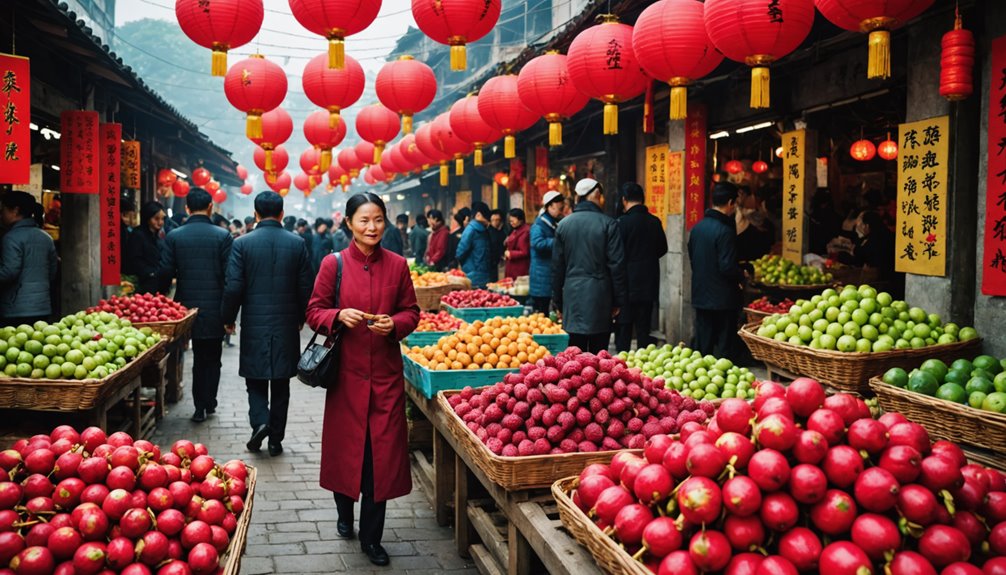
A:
<point x="863" y="150"/>
<point x="544" y="87"/>
<point x="406" y="86"/>
<point x="759" y="167"/>
<point x="255" y="86"/>
<point x="502" y="108"/>
<point x="455" y="23"/>
<point x="225" y="25"/>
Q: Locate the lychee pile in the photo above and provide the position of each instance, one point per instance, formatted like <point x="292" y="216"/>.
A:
<point x="574" y="402"/>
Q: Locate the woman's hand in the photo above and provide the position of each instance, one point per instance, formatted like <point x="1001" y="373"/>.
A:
<point x="351" y="317"/>
<point x="381" y="325"/>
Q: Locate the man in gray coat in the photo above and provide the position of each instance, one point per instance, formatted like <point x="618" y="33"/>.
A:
<point x="588" y="270"/>
<point x="196" y="253"/>
<point x="269" y="279"/>
<point x="28" y="263"/>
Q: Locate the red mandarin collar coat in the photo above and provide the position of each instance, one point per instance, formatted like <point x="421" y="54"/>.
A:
<point x="369" y="391"/>
<point x="519" y="244"/>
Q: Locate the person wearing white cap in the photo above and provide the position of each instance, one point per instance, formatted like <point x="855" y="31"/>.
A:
<point x="542" y="239"/>
<point x="588" y="267"/>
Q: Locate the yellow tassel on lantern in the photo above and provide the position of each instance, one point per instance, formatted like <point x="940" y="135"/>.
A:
<point x="344" y="181"/>
<point x="445" y="174"/>
<point x="459" y="167"/>
<point x="407" y="123"/>
<point x="336" y="53"/>
<point x="879" y="65"/>
<point x="326" y="160"/>
<point x="270" y="177"/>
<point x="219" y="65"/>
<point x="679" y="98"/>
<point x="510" y="147"/>
<point x="610" y="119"/>
<point x="253" y="125"/>
<point x="459" y="57"/>
<point x="554" y="134"/>
<point x="378" y="149"/>
<point x="333" y="118"/>
<point x="354" y="173"/>
<point x="268" y="159"/>
<point x="478" y="156"/>
<point x="760" y="87"/>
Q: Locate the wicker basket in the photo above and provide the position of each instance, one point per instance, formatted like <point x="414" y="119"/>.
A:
<point x="755" y="316"/>
<point x="945" y="419"/>
<point x="231" y="559"/>
<point x="71" y="394"/>
<point x="173" y="330"/>
<point x="843" y="370"/>
<point x="429" y="297"/>
<point x="608" y="554"/>
<point x="516" y="473"/>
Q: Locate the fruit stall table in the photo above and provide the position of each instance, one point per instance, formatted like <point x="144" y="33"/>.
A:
<point x="177" y="333"/>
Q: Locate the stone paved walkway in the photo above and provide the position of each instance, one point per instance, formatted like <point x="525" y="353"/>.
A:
<point x="293" y="522"/>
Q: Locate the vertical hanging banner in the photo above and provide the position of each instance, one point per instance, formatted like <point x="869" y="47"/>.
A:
<point x="921" y="234"/>
<point x="78" y="153"/>
<point x="15" y="120"/>
<point x="541" y="173"/>
<point x="110" y="172"/>
<point x="695" y="166"/>
<point x="656" y="180"/>
<point x="794" y="152"/>
<point x="675" y="182"/>
<point x="131" y="165"/>
<point x="994" y="262"/>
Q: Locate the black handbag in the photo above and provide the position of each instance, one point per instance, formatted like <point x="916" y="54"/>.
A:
<point x="320" y="361"/>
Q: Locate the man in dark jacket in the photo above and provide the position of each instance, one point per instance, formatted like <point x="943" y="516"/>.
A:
<point x="419" y="236"/>
<point x="392" y="239"/>
<point x="542" y="240"/>
<point x="322" y="243"/>
<point x="716" y="276"/>
<point x="497" y="239"/>
<point x="588" y="270"/>
<point x="196" y="254"/>
<point x="269" y="279"/>
<point x="461" y="218"/>
<point x="145" y="244"/>
<point x="645" y="243"/>
<point x="28" y="264"/>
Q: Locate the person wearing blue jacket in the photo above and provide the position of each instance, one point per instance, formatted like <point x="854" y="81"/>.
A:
<point x="473" y="249"/>
<point x="542" y="240"/>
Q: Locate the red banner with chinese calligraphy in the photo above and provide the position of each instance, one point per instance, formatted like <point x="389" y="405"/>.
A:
<point x="78" y="153"/>
<point x="131" y="165"/>
<point x="695" y="165"/>
<point x="110" y="172"/>
<point x="15" y="130"/>
<point x="541" y="172"/>
<point x="994" y="261"/>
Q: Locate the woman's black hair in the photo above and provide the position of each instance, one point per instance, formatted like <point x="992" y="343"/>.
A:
<point x="462" y="215"/>
<point x="150" y="210"/>
<point x="517" y="213"/>
<point x="361" y="199"/>
<point x="25" y="205"/>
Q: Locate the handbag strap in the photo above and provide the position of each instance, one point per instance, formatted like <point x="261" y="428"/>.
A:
<point x="338" y="287"/>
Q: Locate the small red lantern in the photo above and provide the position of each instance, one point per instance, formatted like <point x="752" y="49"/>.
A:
<point x="350" y="162"/>
<point x="219" y="196"/>
<point x="337" y="176"/>
<point x="863" y="150"/>
<point x="302" y="182"/>
<point x="377" y="174"/>
<point x="280" y="159"/>
<point x="320" y="134"/>
<point x="277" y="126"/>
<point x="212" y="186"/>
<point x="888" y="149"/>
<point x="426" y="144"/>
<point x="670" y="40"/>
<point x="377" y="125"/>
<point x="229" y="24"/>
<point x="246" y="189"/>
<point x="876" y="18"/>
<point x="242" y="172"/>
<point x="335" y="20"/>
<point x="501" y="178"/>
<point x="180" y="188"/>
<point x="759" y="167"/>
<point x="406" y="86"/>
<point x="455" y="23"/>
<point x="333" y="89"/>
<point x="255" y="86"/>
<point x="734" y="167"/>
<point x="280" y="182"/>
<point x="545" y="88"/>
<point x="746" y="31"/>
<point x="412" y="153"/>
<point x="369" y="178"/>
<point x="603" y="65"/>
<point x="449" y="143"/>
<point x="468" y="124"/>
<point x="310" y="160"/>
<point x="957" y="62"/>
<point x="166" y="177"/>
<point x="388" y="163"/>
<point x="399" y="160"/>
<point x="364" y="151"/>
<point x="499" y="106"/>
<point x="201" y="176"/>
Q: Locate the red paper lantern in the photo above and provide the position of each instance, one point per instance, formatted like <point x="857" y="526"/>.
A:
<point x="369" y="178"/>
<point x="863" y="150"/>
<point x="388" y="163"/>
<point x="468" y="124"/>
<point x="280" y="182"/>
<point x="320" y="134"/>
<point x="201" y="176"/>
<point x="545" y="88"/>
<point x="350" y="162"/>
<point x="412" y="154"/>
<point x="957" y="61"/>
<point x="399" y="160"/>
<point x="375" y="173"/>
<point x="759" y="167"/>
<point x="500" y="106"/>
<point x="337" y="176"/>
<point x="365" y="152"/>
<point x="242" y="172"/>
<point x="426" y="144"/>
<point x="212" y="186"/>
<point x="377" y="125"/>
<point x="255" y="86"/>
<point x="246" y="189"/>
<point x="603" y="65"/>
<point x="229" y="24"/>
<point x="449" y="143"/>
<point x="406" y="86"/>
<point x="166" y="177"/>
<point x="310" y="160"/>
<point x="455" y="23"/>
<point x="302" y="182"/>
<point x="277" y="126"/>
<point x="333" y="89"/>
<point x="219" y="196"/>
<point x="888" y="149"/>
<point x="335" y="20"/>
<point x="734" y="167"/>
<point x="877" y="18"/>
<point x="670" y="40"/>
<point x="180" y="188"/>
<point x="280" y="159"/>
<point x="747" y="31"/>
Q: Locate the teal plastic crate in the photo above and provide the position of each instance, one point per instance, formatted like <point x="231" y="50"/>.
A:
<point x="472" y="314"/>
<point x="553" y="342"/>
<point x="430" y="382"/>
<point x="425" y="338"/>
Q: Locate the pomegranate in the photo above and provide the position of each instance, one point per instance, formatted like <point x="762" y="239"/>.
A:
<point x="970" y="495"/>
<point x="744" y="533"/>
<point x="93" y="525"/>
<point x="705" y="460"/>
<point x="661" y="536"/>
<point x="891" y="418"/>
<point x="876" y="535"/>
<point x="67" y="465"/>
<point x="911" y="434"/>
<point x="93" y="470"/>
<point x="961" y="568"/>
<point x="807" y="483"/>
<point x="995" y="566"/>
<point x="943" y="545"/>
<point x="618" y="462"/>
<point x="236" y="469"/>
<point x="939" y="471"/>
<point x="675" y="563"/>
<point x="709" y="550"/>
<point x="171" y="521"/>
<point x="630" y="522"/>
<point x="910" y="563"/>
<point x="741" y="496"/>
<point x="627" y="476"/>
<point x="951" y="451"/>
<point x="121" y="477"/>
<point x="876" y="489"/>
<point x="867" y="435"/>
<point x="37" y="485"/>
<point x="775" y="406"/>
<point x="89" y="558"/>
<point x="700" y="500"/>
<point x="11" y="544"/>
<point x="120" y="553"/>
<point x="769" y="469"/>
<point x="38" y="535"/>
<point x="203" y="558"/>
<point x="810" y="447"/>
<point x="776" y="432"/>
<point x="842" y="465"/>
<point x="221" y="539"/>
<point x="653" y="483"/>
<point x="844" y="558"/>
<point x="175" y="567"/>
<point x="674" y="460"/>
<point x="845" y="405"/>
<point x="829" y="424"/>
<point x="917" y="504"/>
<point x="94" y="494"/>
<point x="802" y="547"/>
<point x="805" y="395"/>
<point x="152" y="548"/>
<point x="609" y="503"/>
<point x="212" y="512"/>
<point x="34" y="561"/>
<point x="776" y="565"/>
<point x="735" y="415"/>
<point x="10" y="494"/>
<point x="994" y="507"/>
<point x="737" y="448"/>
<point x="764" y="390"/>
<point x="903" y="461"/>
<point x="744" y="564"/>
<point x="997" y="539"/>
<point x="834" y="514"/>
<point x="40" y="461"/>
<point x="972" y="527"/>
<point x="135" y="522"/>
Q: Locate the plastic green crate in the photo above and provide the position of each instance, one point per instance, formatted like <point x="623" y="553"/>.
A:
<point x="430" y="382"/>
<point x="425" y="338"/>
<point x="553" y="342"/>
<point x="472" y="314"/>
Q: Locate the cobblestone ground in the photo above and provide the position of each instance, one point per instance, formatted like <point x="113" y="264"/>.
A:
<point x="293" y="521"/>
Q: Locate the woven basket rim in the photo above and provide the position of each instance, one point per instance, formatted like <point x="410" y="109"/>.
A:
<point x="883" y="388"/>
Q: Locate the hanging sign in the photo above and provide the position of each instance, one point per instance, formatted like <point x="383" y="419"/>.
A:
<point x="675" y="182"/>
<point x="695" y="167"/>
<point x="131" y="165"/>
<point x="110" y="172"/>
<point x="15" y="120"/>
<point x="793" y="177"/>
<point x="921" y="238"/>
<point x="78" y="153"/>
<point x="656" y="180"/>
<point x="994" y="261"/>
<point x="541" y="172"/>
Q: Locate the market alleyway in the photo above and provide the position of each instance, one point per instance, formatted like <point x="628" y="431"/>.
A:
<point x="293" y="523"/>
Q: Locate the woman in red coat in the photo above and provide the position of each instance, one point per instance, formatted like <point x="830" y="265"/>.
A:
<point x="518" y="246"/>
<point x="365" y="426"/>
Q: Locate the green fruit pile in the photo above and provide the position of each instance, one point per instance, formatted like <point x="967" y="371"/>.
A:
<point x="980" y="383"/>
<point x="774" y="270"/>
<point x="691" y="373"/>
<point x="79" y="346"/>
<point x="860" y="320"/>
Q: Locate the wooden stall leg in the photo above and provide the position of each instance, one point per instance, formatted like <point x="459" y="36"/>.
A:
<point x="443" y="478"/>
<point x="463" y="530"/>
<point x="520" y="552"/>
<point x="137" y="413"/>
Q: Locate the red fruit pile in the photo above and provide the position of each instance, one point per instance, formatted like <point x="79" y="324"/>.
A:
<point x="142" y="308"/>
<point x="575" y="402"/>
<point x="814" y="484"/>
<point x="83" y="503"/>
<point x="763" y="304"/>
<point x="477" y="298"/>
<point x="440" y="321"/>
